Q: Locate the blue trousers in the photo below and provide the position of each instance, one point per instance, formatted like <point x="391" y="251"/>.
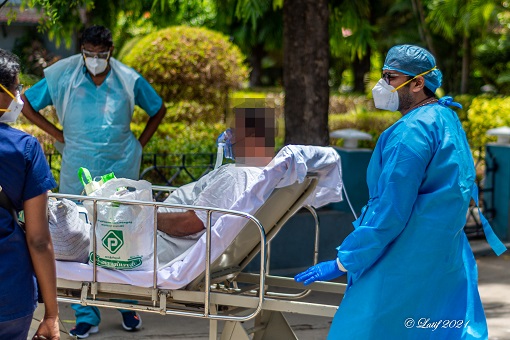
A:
<point x="89" y="314"/>
<point x="16" y="329"/>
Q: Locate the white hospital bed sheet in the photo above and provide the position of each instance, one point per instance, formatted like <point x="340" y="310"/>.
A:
<point x="291" y="164"/>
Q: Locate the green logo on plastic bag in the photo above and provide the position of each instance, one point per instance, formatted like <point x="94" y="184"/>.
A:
<point x="113" y="241"/>
<point x="131" y="263"/>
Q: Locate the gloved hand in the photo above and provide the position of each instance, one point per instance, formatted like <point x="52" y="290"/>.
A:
<point x="323" y="271"/>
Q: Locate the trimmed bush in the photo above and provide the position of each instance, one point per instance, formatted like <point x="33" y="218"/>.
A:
<point x="351" y="103"/>
<point x="193" y="65"/>
<point x="181" y="138"/>
<point x="486" y="113"/>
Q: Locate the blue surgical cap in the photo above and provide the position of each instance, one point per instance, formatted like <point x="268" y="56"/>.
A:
<point x="414" y="60"/>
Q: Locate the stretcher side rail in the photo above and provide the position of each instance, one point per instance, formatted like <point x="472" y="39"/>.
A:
<point x="90" y="291"/>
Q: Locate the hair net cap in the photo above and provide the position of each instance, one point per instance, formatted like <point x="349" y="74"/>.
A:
<point x="414" y="60"/>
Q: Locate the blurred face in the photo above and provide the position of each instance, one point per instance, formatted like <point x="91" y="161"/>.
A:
<point x="254" y="137"/>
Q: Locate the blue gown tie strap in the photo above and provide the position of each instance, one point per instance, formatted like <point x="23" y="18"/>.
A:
<point x="497" y="246"/>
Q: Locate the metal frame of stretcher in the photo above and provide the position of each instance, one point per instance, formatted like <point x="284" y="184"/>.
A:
<point x="223" y="292"/>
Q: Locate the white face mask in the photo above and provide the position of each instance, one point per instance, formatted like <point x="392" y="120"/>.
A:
<point x="11" y="114"/>
<point x="96" y="65"/>
<point x="385" y="96"/>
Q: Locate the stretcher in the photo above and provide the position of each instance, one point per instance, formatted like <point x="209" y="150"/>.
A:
<point x="216" y="286"/>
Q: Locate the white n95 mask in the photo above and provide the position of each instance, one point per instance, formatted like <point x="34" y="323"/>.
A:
<point x="13" y="111"/>
<point x="385" y="96"/>
<point x="96" y="65"/>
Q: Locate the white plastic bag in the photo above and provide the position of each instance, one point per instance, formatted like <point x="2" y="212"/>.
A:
<point x="69" y="233"/>
<point x="124" y="233"/>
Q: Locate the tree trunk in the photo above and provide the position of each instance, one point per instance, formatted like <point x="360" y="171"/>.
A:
<point x="361" y="67"/>
<point x="305" y="73"/>
<point x="257" y="53"/>
<point x="466" y="59"/>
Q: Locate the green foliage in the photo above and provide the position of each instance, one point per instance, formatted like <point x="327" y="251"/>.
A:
<point x="353" y="32"/>
<point x="127" y="47"/>
<point x="179" y="12"/>
<point x="486" y="113"/>
<point x="349" y="103"/>
<point x="492" y="60"/>
<point x="28" y="79"/>
<point x="185" y="136"/>
<point x="34" y="57"/>
<point x="197" y="141"/>
<point x="464" y="100"/>
<point x="182" y="138"/>
<point x="61" y="17"/>
<point x="190" y="64"/>
<point x="252" y="10"/>
<point x="44" y="139"/>
<point x="169" y="141"/>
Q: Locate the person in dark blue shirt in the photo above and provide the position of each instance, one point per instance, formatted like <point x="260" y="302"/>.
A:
<point x="25" y="179"/>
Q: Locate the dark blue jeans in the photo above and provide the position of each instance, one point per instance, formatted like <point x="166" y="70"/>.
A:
<point x="16" y="329"/>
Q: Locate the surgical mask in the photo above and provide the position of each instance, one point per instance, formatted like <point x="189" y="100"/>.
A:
<point x="14" y="109"/>
<point x="96" y="65"/>
<point x="385" y="96"/>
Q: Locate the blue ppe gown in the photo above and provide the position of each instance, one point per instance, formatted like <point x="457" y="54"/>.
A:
<point x="411" y="271"/>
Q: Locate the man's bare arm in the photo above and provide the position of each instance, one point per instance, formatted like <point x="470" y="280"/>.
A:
<point x="179" y="223"/>
<point x="38" y="119"/>
<point x="152" y="125"/>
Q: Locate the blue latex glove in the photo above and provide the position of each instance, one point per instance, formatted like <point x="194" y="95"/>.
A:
<point x="323" y="271"/>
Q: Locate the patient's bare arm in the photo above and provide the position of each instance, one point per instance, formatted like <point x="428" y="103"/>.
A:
<point x="179" y="223"/>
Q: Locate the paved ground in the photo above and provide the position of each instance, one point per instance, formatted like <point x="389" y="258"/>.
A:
<point x="494" y="287"/>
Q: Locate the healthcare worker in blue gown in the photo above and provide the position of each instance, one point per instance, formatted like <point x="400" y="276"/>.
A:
<point x="94" y="96"/>
<point x="411" y="273"/>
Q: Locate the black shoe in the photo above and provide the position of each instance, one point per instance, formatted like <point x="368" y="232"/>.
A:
<point x="131" y="321"/>
<point x="83" y="330"/>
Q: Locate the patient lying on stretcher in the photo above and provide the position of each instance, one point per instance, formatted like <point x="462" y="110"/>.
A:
<point x="178" y="229"/>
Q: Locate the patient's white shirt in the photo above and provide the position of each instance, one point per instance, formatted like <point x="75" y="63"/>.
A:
<point x="220" y="188"/>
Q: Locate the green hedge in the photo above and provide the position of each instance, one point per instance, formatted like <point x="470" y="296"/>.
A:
<point x="485" y="113"/>
<point x="193" y="69"/>
<point x="478" y="115"/>
<point x="182" y="138"/>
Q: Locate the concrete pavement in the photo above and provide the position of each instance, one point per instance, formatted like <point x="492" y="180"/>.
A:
<point x="494" y="287"/>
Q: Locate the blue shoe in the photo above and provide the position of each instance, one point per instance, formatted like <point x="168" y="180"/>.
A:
<point x="83" y="330"/>
<point x="131" y="321"/>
